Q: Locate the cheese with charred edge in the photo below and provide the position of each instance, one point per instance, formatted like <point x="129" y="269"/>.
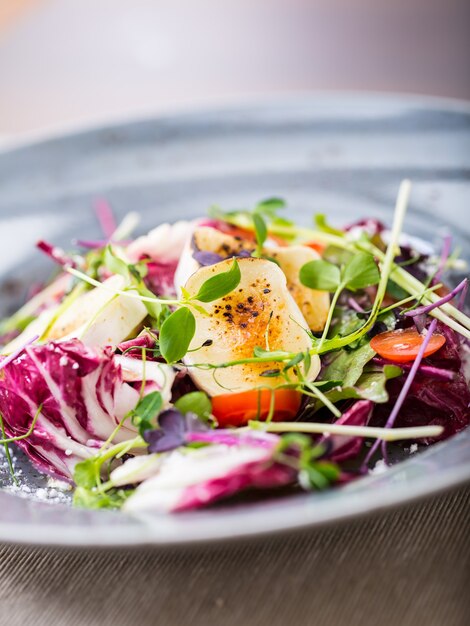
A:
<point x="313" y="304"/>
<point x="238" y="322"/>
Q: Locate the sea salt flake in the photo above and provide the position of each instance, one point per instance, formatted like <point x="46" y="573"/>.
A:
<point x="380" y="467"/>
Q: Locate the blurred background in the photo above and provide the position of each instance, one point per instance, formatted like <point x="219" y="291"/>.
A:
<point x="65" y="63"/>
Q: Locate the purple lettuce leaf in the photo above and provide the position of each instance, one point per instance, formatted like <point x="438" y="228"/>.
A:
<point x="83" y="397"/>
<point x="256" y="475"/>
<point x="343" y="447"/>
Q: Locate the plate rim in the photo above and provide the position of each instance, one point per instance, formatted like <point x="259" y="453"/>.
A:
<point x="245" y="103"/>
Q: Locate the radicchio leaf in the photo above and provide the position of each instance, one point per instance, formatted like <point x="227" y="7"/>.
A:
<point x="83" y="393"/>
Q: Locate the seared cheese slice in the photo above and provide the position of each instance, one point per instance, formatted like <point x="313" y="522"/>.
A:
<point x="99" y="317"/>
<point x="313" y="304"/>
<point x="260" y="307"/>
<point x="207" y="239"/>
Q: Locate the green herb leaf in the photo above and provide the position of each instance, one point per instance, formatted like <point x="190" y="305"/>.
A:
<point x="274" y="354"/>
<point x="220" y="285"/>
<point x="294" y="361"/>
<point x="176" y="334"/>
<point x="371" y="385"/>
<point x="114" y="264"/>
<point x="84" y="498"/>
<point x="320" y="275"/>
<point x="86" y="472"/>
<point x="154" y="309"/>
<point x="261" y="232"/>
<point x="361" y="272"/>
<point x="321" y="224"/>
<point x="319" y="474"/>
<point x="269" y="207"/>
<point x="147" y="409"/>
<point x="195" y="402"/>
<point x="347" y="366"/>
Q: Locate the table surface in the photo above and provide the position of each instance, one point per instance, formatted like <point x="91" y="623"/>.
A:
<point x="129" y="59"/>
<point x="407" y="567"/>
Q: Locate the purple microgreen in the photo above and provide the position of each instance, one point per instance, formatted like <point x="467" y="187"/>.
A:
<point x="104" y="213"/>
<point x="404" y="392"/>
<point x="462" y="296"/>
<point x="446" y="247"/>
<point x="205" y="258"/>
<point x="420" y="322"/>
<point x="173" y="431"/>
<point x="427" y="308"/>
<point x="428" y="370"/>
<point x="169" y="435"/>
<point x="91" y="244"/>
<point x="56" y="254"/>
<point x="355" y="306"/>
<point x="243" y="254"/>
<point x="11" y="357"/>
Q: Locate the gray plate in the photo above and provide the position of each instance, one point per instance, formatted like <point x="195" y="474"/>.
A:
<point x="344" y="155"/>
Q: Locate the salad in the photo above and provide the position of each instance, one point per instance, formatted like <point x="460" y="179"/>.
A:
<point x="230" y="353"/>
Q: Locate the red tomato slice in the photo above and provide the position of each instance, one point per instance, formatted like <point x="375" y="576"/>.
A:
<point x="403" y="345"/>
<point x="315" y="245"/>
<point x="237" y="409"/>
<point x="249" y="235"/>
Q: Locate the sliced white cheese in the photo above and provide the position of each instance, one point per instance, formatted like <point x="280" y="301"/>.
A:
<point x="242" y="320"/>
<point x="99" y="317"/>
<point x="313" y="304"/>
<point x="207" y="239"/>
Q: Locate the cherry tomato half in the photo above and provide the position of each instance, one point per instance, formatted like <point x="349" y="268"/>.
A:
<point x="315" y="245"/>
<point x="237" y="409"/>
<point x="249" y="235"/>
<point x="403" y="344"/>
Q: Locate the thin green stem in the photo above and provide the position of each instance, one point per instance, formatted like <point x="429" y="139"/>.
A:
<point x="66" y="303"/>
<point x="409" y="299"/>
<point x="7" y="453"/>
<point x="120" y="292"/>
<point x="27" y="434"/>
<point x="334" y="300"/>
<point x="385" y="434"/>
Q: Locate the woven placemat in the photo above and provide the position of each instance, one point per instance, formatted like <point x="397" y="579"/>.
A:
<point x="409" y="566"/>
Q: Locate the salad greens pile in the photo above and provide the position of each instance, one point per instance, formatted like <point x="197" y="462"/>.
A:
<point x="236" y="352"/>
